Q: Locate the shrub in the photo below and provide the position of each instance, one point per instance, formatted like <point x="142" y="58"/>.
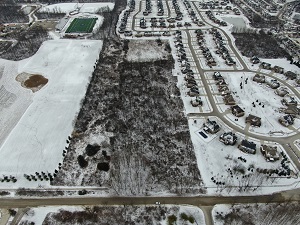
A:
<point x="82" y="162"/>
<point x="184" y="216"/>
<point x="191" y="219"/>
<point x="103" y="166"/>
<point x="172" y="219"/>
<point x="92" y="149"/>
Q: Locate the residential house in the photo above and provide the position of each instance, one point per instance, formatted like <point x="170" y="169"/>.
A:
<point x="229" y="100"/>
<point x="223" y="88"/>
<point x="253" y="120"/>
<point x="237" y="111"/>
<point x="289" y="101"/>
<point x="255" y="60"/>
<point x="290" y="75"/>
<point x="269" y="152"/>
<point x="278" y="69"/>
<point x="273" y="83"/>
<point x="211" y="62"/>
<point x="196" y="102"/>
<point x="282" y="91"/>
<point x="259" y="78"/>
<point x="217" y="76"/>
<point x="265" y="65"/>
<point x="247" y="146"/>
<point x="193" y="93"/>
<point x="286" y="120"/>
<point x="211" y="126"/>
<point x="292" y="110"/>
<point x="228" y="138"/>
<point x="221" y="82"/>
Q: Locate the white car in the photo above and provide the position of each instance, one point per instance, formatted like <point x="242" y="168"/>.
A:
<point x="157" y="203"/>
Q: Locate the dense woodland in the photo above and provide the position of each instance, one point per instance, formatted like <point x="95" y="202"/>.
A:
<point x="259" y="44"/>
<point x="11" y="13"/>
<point x="28" y="42"/>
<point x="285" y="213"/>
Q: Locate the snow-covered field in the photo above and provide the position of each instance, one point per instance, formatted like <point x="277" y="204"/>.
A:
<point x="144" y="51"/>
<point x="84" y="7"/>
<point x="36" y="142"/>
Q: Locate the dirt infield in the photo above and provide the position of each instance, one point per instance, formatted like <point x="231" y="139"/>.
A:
<point x="33" y="82"/>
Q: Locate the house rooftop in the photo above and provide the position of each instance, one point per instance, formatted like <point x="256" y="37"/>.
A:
<point x="248" y="144"/>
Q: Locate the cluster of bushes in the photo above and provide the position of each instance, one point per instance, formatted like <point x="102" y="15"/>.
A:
<point x="40" y="176"/>
<point x="185" y="217"/>
<point x="90" y="151"/>
<point x="259" y="44"/>
<point x="9" y="179"/>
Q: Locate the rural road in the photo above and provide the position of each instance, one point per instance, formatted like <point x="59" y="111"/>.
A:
<point x="292" y="195"/>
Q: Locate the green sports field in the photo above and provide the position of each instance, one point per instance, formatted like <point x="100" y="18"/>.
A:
<point x="82" y="25"/>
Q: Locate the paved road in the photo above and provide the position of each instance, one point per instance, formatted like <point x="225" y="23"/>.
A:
<point x="17" y="218"/>
<point x="293" y="195"/>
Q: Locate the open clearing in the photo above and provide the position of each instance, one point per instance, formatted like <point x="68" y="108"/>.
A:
<point x="36" y="142"/>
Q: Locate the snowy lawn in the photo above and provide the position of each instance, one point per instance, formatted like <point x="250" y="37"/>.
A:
<point x="84" y="7"/>
<point x="266" y="102"/>
<point x="38" y="139"/>
<point x="145" y="51"/>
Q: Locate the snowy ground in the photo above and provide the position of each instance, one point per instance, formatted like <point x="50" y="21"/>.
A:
<point x="38" y="139"/>
<point x="84" y="7"/>
<point x="136" y="214"/>
<point x="144" y="51"/>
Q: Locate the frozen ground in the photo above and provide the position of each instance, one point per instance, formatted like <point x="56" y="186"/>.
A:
<point x="84" y="7"/>
<point x="113" y="215"/>
<point x="37" y="141"/>
<point x="14" y="100"/>
<point x="144" y="51"/>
